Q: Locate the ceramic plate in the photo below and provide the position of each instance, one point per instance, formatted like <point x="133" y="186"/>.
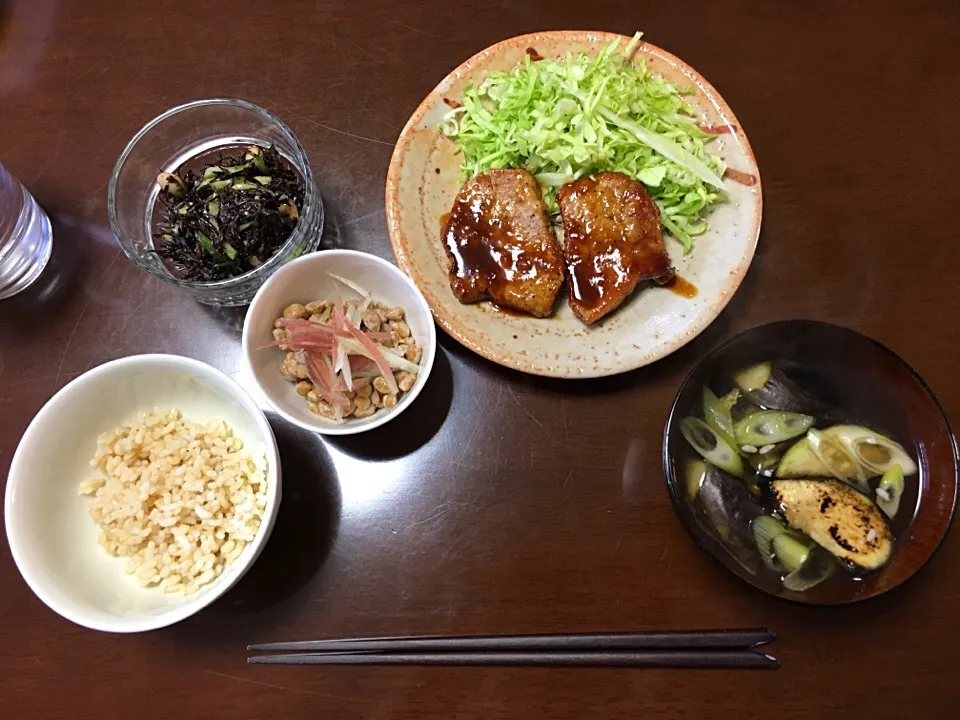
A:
<point x="424" y="178"/>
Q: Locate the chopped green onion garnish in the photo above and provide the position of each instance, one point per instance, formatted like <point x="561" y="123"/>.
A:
<point x="206" y="242"/>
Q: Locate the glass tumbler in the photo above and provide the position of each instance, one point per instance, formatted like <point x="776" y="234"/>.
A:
<point x="174" y="137"/>
<point x="26" y="238"/>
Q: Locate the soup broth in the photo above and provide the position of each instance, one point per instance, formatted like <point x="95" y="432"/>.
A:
<point x="825" y="480"/>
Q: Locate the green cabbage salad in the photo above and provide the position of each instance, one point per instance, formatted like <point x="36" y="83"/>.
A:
<point x="565" y="119"/>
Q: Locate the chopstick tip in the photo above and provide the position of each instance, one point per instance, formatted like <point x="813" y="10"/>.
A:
<point x="769" y="637"/>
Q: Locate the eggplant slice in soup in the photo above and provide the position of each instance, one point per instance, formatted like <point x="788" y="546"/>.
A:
<point x="841" y="520"/>
<point x="786" y="483"/>
<point x="731" y="508"/>
<point x="772" y="386"/>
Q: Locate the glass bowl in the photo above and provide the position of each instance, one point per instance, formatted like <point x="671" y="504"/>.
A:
<point x="872" y="386"/>
<point x="177" y="135"/>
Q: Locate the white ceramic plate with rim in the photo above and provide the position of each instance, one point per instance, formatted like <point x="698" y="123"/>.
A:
<point x="424" y="178"/>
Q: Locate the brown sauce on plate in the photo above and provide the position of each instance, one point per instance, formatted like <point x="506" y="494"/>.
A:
<point x="721" y="129"/>
<point x="740" y="177"/>
<point x="683" y="288"/>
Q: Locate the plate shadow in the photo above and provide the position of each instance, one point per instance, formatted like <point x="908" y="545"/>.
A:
<point x="60" y="280"/>
<point x="305" y="529"/>
<point x="415" y="428"/>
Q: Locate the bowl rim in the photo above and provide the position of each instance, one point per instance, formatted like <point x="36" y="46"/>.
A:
<point x="677" y="501"/>
<point x="326" y="427"/>
<point x="275" y="260"/>
<point x="218" y="587"/>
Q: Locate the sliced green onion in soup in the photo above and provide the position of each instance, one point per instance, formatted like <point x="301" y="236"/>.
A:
<point x="766" y="529"/>
<point x="876" y="452"/>
<point x="716" y="413"/>
<point x="790" y="552"/>
<point x="819" y="566"/>
<point x="841" y="463"/>
<point x="713" y="448"/>
<point x="890" y="490"/>
<point x="693" y="473"/>
<point x="769" y="427"/>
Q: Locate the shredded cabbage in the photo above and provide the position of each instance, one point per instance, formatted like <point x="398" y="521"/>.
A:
<point x="565" y="119"/>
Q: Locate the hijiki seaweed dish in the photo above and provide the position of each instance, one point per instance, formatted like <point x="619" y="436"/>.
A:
<point x="228" y="217"/>
<point x="789" y="485"/>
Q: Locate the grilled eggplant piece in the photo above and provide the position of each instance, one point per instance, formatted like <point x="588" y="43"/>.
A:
<point x="755" y="377"/>
<point x="846" y="523"/>
<point x="800" y="461"/>
<point x="731" y="508"/>
<point x="772" y="387"/>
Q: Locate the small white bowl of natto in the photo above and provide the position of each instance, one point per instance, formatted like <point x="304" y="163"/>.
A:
<point x="141" y="492"/>
<point x="339" y="341"/>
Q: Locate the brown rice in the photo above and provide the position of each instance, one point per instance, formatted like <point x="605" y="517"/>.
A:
<point x="179" y="499"/>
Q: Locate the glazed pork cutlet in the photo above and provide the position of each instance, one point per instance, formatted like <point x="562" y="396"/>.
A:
<point x="500" y="244"/>
<point x="613" y="241"/>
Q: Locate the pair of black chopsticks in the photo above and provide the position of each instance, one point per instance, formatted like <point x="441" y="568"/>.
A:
<point x="692" y="649"/>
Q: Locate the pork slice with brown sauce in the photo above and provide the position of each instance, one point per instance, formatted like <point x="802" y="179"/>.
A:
<point x="612" y="231"/>
<point x="500" y="244"/>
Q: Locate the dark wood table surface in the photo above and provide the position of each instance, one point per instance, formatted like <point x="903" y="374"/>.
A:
<point x="503" y="503"/>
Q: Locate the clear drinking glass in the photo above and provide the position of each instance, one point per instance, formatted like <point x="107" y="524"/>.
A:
<point x="26" y="238"/>
<point x="169" y="140"/>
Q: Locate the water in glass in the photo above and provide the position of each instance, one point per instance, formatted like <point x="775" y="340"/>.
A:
<point x="26" y="238"/>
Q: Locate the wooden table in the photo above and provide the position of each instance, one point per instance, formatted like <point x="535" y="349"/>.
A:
<point x="504" y="503"/>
